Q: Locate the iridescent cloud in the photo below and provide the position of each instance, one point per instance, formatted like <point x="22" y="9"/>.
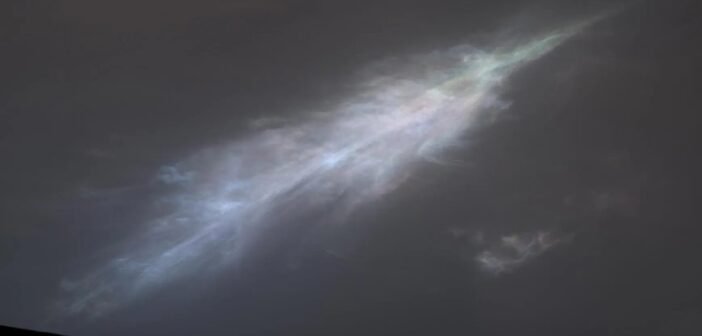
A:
<point x="351" y="155"/>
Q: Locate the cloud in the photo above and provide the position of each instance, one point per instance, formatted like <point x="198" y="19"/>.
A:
<point x="514" y="250"/>
<point x="172" y="175"/>
<point x="334" y="162"/>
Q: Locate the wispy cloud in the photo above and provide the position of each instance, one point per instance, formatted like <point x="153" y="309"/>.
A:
<point x="354" y="154"/>
<point x="514" y="250"/>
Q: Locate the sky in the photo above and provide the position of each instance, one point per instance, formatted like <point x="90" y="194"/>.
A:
<point x="285" y="167"/>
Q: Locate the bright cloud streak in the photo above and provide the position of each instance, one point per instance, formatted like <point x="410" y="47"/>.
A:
<point x="351" y="155"/>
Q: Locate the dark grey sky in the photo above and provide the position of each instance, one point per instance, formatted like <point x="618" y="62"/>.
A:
<point x="601" y="143"/>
